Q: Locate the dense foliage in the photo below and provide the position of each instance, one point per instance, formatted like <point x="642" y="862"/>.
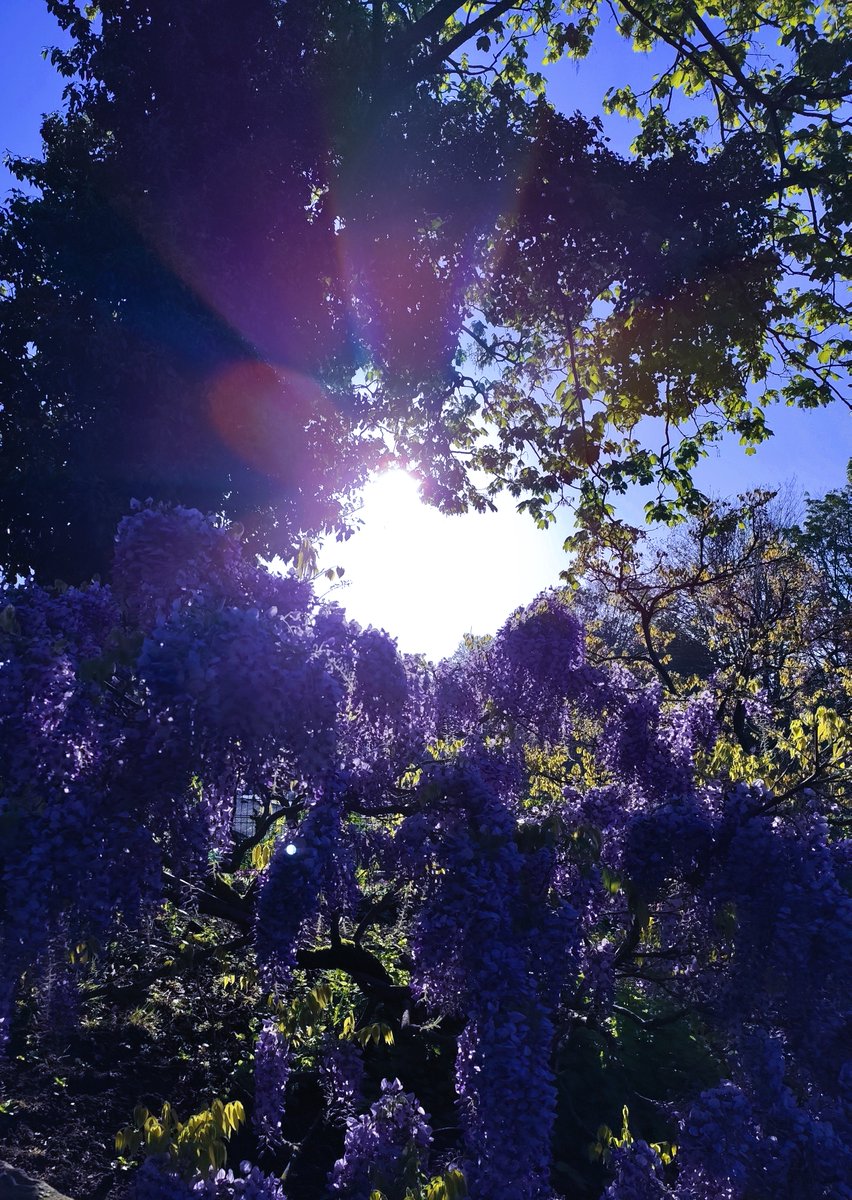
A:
<point x="515" y="889"/>
<point x="826" y="536"/>
<point x="747" y="601"/>
<point x="271" y="242"/>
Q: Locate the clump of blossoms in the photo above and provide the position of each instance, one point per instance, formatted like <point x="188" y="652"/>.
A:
<point x="535" y="662"/>
<point x="271" y="1072"/>
<point x="477" y="927"/>
<point x="304" y="865"/>
<point x="385" y="1148"/>
<point x="342" y="1074"/>
<point x="638" y="1174"/>
<point x="474" y="947"/>
<point x="155" y="1181"/>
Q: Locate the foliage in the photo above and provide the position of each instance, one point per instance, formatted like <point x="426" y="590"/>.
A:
<point x="388" y="242"/>
<point x="197" y="1143"/>
<point x="742" y="599"/>
<point x="431" y="928"/>
<point x="826" y="538"/>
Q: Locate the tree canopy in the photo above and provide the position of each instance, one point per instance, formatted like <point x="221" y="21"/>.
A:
<point x="274" y="243"/>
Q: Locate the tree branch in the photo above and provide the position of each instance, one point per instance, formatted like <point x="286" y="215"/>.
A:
<point x="428" y="65"/>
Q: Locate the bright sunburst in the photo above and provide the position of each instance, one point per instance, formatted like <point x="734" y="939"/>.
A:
<point x="429" y="578"/>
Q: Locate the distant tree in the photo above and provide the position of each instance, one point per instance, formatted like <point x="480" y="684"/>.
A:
<point x="826" y="537"/>
<point x="731" y="601"/>
<point x="272" y="242"/>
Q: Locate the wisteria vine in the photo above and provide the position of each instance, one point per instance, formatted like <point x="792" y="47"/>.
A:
<point x="539" y="838"/>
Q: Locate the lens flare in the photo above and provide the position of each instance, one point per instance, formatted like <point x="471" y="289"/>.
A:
<point x="261" y="413"/>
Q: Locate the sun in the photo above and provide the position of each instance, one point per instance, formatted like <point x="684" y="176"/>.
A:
<point x="394" y="495"/>
<point x="429" y="578"/>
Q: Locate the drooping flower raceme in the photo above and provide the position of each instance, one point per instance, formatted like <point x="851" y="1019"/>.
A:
<point x="384" y="1148"/>
<point x="271" y="1072"/>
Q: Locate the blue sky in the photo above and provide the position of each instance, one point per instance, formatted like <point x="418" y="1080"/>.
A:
<point x="472" y="571"/>
<point x="29" y="86"/>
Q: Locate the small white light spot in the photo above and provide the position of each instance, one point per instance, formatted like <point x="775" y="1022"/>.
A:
<point x="289" y="848"/>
